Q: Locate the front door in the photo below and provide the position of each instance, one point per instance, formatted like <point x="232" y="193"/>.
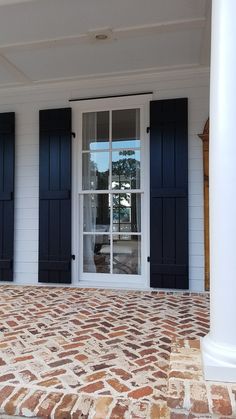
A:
<point x="111" y="192"/>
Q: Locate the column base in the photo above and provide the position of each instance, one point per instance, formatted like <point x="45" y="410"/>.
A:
<point x="219" y="361"/>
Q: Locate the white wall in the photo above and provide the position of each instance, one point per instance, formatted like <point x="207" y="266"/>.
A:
<point x="26" y="102"/>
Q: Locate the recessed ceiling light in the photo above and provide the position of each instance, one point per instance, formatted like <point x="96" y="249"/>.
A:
<point x="101" y="36"/>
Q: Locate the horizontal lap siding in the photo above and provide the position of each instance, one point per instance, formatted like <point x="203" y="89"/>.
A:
<point x="26" y="106"/>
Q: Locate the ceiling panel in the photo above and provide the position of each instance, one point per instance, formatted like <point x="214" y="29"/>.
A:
<point x="6" y="77"/>
<point x="160" y="50"/>
<point x="43" y="19"/>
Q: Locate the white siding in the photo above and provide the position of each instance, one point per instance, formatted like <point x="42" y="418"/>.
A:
<point x="27" y="102"/>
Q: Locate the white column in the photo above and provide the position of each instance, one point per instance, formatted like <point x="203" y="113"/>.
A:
<point x="219" y="346"/>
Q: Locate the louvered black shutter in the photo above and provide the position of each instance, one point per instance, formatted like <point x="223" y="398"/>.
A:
<point x="7" y="153"/>
<point x="55" y="196"/>
<point x="169" y="193"/>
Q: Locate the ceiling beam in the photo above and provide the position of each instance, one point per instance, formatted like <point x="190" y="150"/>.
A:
<point x="9" y="2"/>
<point x="116" y="34"/>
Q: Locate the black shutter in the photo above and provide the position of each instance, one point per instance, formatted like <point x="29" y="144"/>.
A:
<point x="55" y="196"/>
<point x="7" y="154"/>
<point x="169" y="193"/>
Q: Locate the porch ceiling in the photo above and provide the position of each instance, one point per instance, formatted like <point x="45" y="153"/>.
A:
<point x="44" y="40"/>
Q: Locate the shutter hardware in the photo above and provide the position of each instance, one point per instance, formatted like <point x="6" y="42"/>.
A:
<point x="73" y="134"/>
<point x="72" y="257"/>
<point x="148" y="258"/>
<point x="148" y="130"/>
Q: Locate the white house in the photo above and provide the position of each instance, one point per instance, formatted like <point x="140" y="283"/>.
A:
<point x="100" y="161"/>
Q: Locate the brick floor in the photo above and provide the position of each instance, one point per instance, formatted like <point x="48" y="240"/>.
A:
<point x="189" y="395"/>
<point x="88" y="353"/>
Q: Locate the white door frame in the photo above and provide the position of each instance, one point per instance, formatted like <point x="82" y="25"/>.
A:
<point x="104" y="280"/>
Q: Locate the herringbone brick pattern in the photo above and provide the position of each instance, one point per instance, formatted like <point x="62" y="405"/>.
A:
<point x="71" y="353"/>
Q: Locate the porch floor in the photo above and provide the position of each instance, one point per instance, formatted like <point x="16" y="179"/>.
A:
<point x="89" y="353"/>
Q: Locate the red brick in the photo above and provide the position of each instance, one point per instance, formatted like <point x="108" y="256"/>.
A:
<point x="72" y="346"/>
<point x="99" y="336"/>
<point x="120" y="410"/>
<point x="63" y="410"/>
<point x="67" y="353"/>
<point x="59" y="363"/>
<point x="29" y="405"/>
<point x="53" y="373"/>
<point x="114" y="334"/>
<point x="47" y="405"/>
<point x="81" y="357"/>
<point x="90" y="388"/>
<point x="198" y="398"/>
<point x="124" y="375"/>
<point x="27" y="376"/>
<point x="96" y="376"/>
<point x="141" y="392"/>
<point x="148" y="351"/>
<point x="118" y="386"/>
<point x="49" y="383"/>
<point x="23" y="358"/>
<point x="159" y="411"/>
<point x="5" y="393"/>
<point x="6" y="377"/>
<point x="176" y="395"/>
<point x="145" y="361"/>
<point x="221" y="404"/>
<point x="14" y="401"/>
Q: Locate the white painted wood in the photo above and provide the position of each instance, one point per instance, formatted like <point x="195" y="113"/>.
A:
<point x="219" y="346"/>
<point x="12" y="69"/>
<point x="115" y="34"/>
<point x="39" y="45"/>
<point x="26" y="102"/>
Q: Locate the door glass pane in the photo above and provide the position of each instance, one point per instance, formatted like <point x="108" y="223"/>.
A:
<point x="126" y="212"/>
<point x="96" y="213"/>
<point x="127" y="255"/>
<point x="126" y="169"/>
<point x="95" y="170"/>
<point x="95" y="130"/>
<point x="126" y="128"/>
<point x="96" y="253"/>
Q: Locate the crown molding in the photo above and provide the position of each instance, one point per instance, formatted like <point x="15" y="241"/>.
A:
<point x="111" y="80"/>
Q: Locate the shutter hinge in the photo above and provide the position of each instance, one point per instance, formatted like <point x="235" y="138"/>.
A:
<point x="73" y="134"/>
<point x="72" y="257"/>
<point x="148" y="130"/>
<point x="148" y="258"/>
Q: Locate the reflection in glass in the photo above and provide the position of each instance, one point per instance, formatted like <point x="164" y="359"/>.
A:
<point x="96" y="253"/>
<point x="126" y="128"/>
<point x="126" y="169"/>
<point x="95" y="170"/>
<point x="127" y="256"/>
<point x="96" y="213"/>
<point x="126" y="212"/>
<point x="95" y="130"/>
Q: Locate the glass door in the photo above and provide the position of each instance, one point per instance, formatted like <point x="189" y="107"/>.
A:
<point x="111" y="195"/>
